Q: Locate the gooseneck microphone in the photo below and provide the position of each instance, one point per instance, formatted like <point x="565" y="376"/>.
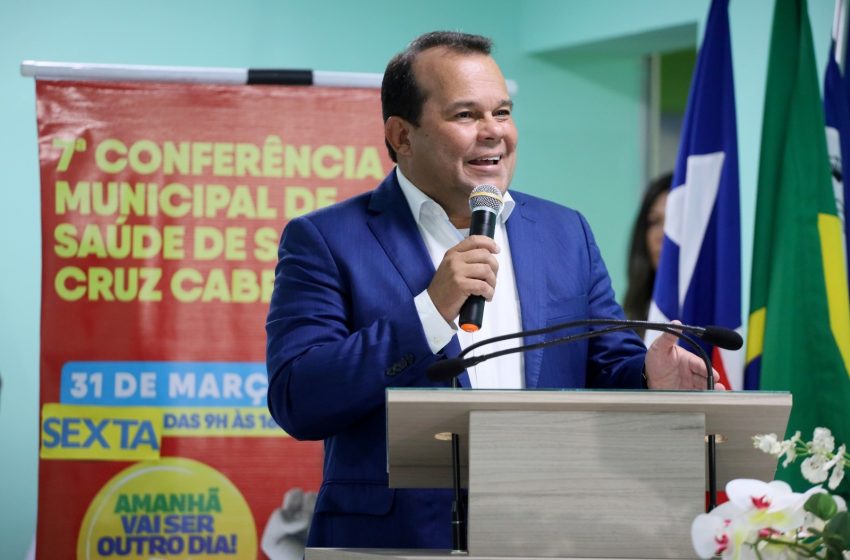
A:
<point x="721" y="337"/>
<point x="485" y="201"/>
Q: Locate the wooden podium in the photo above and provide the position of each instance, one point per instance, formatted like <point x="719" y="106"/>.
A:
<point x="575" y="473"/>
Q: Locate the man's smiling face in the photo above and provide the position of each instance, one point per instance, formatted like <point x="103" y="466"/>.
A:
<point x="466" y="135"/>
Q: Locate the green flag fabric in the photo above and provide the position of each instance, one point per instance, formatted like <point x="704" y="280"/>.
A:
<point x="799" y="327"/>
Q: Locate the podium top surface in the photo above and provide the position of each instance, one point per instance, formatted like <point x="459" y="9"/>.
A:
<point x="418" y="420"/>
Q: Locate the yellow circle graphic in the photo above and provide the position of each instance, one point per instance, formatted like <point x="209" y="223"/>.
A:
<point x="168" y="509"/>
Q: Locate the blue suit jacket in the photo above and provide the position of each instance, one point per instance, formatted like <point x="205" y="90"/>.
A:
<point x="342" y="328"/>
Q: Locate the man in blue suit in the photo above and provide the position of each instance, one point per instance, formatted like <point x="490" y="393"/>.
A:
<point x="368" y="291"/>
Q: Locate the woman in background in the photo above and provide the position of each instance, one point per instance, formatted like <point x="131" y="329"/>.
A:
<point x="645" y="249"/>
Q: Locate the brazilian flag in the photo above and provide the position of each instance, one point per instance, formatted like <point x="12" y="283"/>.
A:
<point x="799" y="327"/>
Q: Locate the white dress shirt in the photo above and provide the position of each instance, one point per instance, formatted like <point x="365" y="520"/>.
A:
<point x="501" y="315"/>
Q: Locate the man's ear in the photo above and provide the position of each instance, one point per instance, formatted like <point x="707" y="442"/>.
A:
<point x="397" y="133"/>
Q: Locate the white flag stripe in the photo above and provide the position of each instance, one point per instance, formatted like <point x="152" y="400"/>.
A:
<point x="655" y="316"/>
<point x="689" y="209"/>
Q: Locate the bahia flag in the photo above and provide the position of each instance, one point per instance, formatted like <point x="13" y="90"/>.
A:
<point x="836" y="108"/>
<point x="699" y="274"/>
<point x="799" y="327"/>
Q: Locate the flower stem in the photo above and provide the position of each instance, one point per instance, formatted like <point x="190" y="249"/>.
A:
<point x="807" y="550"/>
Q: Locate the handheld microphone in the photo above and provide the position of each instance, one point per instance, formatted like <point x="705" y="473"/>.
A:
<point x="485" y="201"/>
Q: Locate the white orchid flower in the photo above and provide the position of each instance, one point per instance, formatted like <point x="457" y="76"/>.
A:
<point x="769" y="443"/>
<point x="711" y="532"/>
<point x="755" y="510"/>
<point x="837" y="466"/>
<point x="815" y="469"/>
<point x="823" y="442"/>
<point x="767" y="521"/>
<point x="790" y="450"/>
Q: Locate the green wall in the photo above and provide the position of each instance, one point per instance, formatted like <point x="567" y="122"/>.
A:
<point x="580" y="110"/>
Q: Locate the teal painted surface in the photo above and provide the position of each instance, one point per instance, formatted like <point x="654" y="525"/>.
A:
<point x="559" y="24"/>
<point x="587" y="159"/>
<point x="579" y="109"/>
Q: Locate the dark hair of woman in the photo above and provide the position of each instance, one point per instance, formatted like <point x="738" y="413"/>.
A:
<point x="641" y="268"/>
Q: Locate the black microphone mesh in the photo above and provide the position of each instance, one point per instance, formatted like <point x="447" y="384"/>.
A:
<point x="486" y="196"/>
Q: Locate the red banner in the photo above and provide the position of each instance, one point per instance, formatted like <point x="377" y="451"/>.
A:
<point x="162" y="207"/>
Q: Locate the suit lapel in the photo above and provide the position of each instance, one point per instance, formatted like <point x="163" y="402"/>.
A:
<point x="528" y="258"/>
<point x="394" y="227"/>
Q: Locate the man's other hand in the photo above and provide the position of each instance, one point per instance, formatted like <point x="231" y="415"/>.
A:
<point x="671" y="367"/>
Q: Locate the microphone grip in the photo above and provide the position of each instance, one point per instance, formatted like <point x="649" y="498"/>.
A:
<point x="472" y="312"/>
<point x="483" y="222"/>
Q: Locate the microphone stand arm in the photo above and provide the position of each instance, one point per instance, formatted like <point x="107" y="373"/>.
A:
<point x="458" y="508"/>
<point x="625" y="323"/>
